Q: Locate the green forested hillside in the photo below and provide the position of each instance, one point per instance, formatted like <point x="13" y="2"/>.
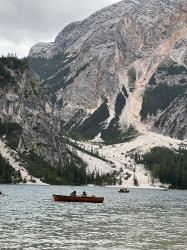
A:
<point x="168" y="166"/>
<point x="7" y="173"/>
<point x="12" y="62"/>
<point x="159" y="98"/>
<point x="93" y="124"/>
<point x="12" y="131"/>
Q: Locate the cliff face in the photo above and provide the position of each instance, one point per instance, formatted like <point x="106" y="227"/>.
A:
<point x="164" y="103"/>
<point x="108" y="67"/>
<point x="26" y="108"/>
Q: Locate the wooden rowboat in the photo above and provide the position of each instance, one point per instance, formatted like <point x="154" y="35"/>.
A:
<point x="66" y="198"/>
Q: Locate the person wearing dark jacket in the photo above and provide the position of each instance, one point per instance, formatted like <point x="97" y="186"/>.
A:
<point x="84" y="194"/>
<point x="73" y="193"/>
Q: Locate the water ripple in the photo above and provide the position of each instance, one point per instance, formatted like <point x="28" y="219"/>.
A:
<point x="143" y="219"/>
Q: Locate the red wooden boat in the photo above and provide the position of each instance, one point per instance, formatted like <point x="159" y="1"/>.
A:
<point x="66" y="198"/>
<point x="122" y="190"/>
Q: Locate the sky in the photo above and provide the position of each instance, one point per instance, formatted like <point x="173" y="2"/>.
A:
<point x="23" y="23"/>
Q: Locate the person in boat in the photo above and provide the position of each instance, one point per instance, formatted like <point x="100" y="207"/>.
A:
<point x="0" y="192"/>
<point x="84" y="194"/>
<point x="121" y="189"/>
<point x="73" y="193"/>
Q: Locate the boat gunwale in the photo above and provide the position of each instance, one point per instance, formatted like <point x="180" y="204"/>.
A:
<point x="68" y="198"/>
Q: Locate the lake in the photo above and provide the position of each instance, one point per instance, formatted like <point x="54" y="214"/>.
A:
<point x="144" y="219"/>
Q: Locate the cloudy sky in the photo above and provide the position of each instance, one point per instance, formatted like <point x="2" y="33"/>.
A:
<point x="24" y="23"/>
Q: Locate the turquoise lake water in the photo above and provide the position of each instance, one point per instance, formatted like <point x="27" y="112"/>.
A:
<point x="144" y="219"/>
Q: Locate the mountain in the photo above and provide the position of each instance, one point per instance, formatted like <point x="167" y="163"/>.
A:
<point x="30" y="143"/>
<point x="32" y="149"/>
<point x="118" y="79"/>
<point x="27" y="124"/>
<point x="25" y="104"/>
<point x="119" y="72"/>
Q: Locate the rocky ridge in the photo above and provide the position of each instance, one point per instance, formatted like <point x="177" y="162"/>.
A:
<point x="26" y="105"/>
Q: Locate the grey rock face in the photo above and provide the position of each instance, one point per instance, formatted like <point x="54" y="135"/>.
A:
<point x="164" y="102"/>
<point x="118" y="47"/>
<point x="173" y="120"/>
<point x="26" y="102"/>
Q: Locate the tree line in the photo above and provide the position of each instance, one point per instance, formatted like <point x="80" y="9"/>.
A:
<point x="166" y="165"/>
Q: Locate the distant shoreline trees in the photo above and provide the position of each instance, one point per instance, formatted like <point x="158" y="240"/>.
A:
<point x="167" y="166"/>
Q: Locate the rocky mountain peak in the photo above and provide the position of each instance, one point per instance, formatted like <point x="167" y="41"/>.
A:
<point x="105" y="66"/>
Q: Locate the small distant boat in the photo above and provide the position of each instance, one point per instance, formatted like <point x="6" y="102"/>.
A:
<point x="123" y="190"/>
<point x="65" y="198"/>
<point x="164" y="189"/>
<point x="0" y="193"/>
